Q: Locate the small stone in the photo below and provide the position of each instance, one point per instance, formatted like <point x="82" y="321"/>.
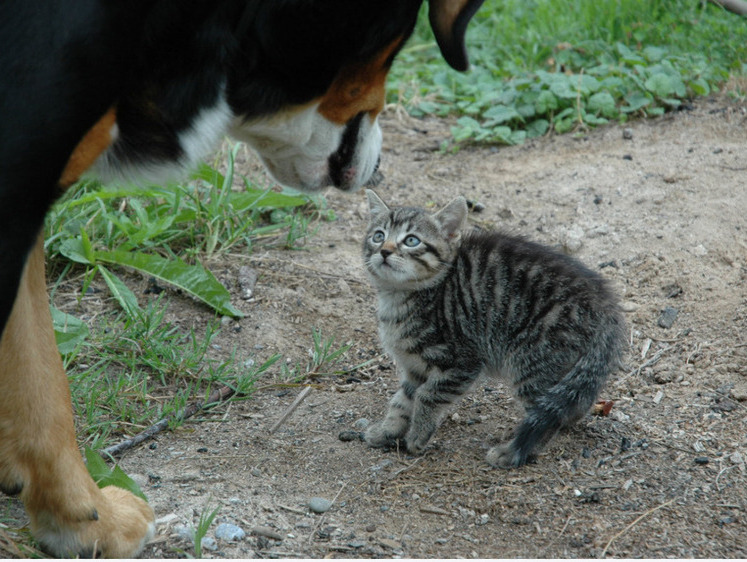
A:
<point x="736" y="458"/>
<point x="667" y="318"/>
<point x="370" y="528"/>
<point x="628" y="133"/>
<point x="319" y="505"/>
<point x="184" y="532"/>
<point x="229" y="532"/>
<point x="356" y="544"/>
<point x="361" y="424"/>
<point x="209" y="543"/>
<point x="739" y="391"/>
<point x="702" y="460"/>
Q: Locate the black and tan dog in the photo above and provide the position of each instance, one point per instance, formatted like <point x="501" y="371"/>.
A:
<point x="141" y="88"/>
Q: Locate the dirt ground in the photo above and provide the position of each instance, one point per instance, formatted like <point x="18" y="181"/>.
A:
<point x="659" y="206"/>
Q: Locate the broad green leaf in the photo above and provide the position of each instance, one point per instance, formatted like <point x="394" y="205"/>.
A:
<point x="125" y="297"/>
<point x="73" y="249"/>
<point x="700" y="87"/>
<point x="660" y="85"/>
<point x="500" y="114"/>
<point x="546" y="102"/>
<point x="537" y="128"/>
<point x="194" y="279"/>
<point x="104" y="476"/>
<point x="602" y="103"/>
<point x="636" y="101"/>
<point x="69" y="331"/>
<point x="563" y="87"/>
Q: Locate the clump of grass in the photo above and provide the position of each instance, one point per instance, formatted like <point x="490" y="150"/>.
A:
<point x="544" y="66"/>
<point x="324" y="356"/>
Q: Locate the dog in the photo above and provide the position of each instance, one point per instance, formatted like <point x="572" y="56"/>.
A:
<point x="141" y="89"/>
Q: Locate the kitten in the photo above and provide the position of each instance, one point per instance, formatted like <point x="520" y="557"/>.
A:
<point x="453" y="306"/>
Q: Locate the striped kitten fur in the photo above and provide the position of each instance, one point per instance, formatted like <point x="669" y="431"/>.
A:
<point x="452" y="306"/>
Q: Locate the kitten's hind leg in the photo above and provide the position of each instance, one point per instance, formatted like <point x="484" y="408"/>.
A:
<point x="394" y="426"/>
<point x="559" y="408"/>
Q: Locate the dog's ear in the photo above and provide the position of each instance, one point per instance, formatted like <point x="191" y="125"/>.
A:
<point x="449" y="19"/>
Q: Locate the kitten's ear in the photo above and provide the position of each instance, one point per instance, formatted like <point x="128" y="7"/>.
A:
<point x="375" y="205"/>
<point x="453" y="217"/>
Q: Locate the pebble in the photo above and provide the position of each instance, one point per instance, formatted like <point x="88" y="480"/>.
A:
<point x="319" y="505"/>
<point x="229" y="532"/>
<point x="667" y="318"/>
<point x="628" y="133"/>
<point x="209" y="543"/>
<point x="702" y="460"/>
<point x="184" y="532"/>
<point x="736" y="458"/>
<point x="361" y="424"/>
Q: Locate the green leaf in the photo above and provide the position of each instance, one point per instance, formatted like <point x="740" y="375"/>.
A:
<point x="73" y="249"/>
<point x="563" y="87"/>
<point x="660" y="85"/>
<point x="700" y="87"/>
<point x="546" y="102"/>
<point x="194" y="279"/>
<point x="500" y="114"/>
<point x="602" y="103"/>
<point x="125" y="297"/>
<point x="636" y="101"/>
<point x="537" y="128"/>
<point x="258" y="198"/>
<point x="104" y="476"/>
<point x="69" y="331"/>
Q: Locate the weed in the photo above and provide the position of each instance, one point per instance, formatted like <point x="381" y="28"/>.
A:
<point x="554" y="66"/>
<point x="322" y="358"/>
<point x="203" y="525"/>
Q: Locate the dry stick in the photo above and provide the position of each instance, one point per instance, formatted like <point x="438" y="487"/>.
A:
<point x="300" y="398"/>
<point x="219" y="395"/>
<point x="637" y="519"/>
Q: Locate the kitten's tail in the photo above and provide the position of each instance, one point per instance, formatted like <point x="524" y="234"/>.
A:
<point x="573" y="396"/>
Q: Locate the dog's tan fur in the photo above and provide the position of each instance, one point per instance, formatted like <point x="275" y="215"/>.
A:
<point x="38" y="450"/>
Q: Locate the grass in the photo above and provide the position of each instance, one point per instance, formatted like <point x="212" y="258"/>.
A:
<point x="549" y="66"/>
<point x="131" y="367"/>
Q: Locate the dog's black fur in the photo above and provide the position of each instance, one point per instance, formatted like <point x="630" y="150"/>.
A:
<point x="159" y="67"/>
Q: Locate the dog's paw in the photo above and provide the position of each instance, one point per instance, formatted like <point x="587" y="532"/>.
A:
<point x="118" y="527"/>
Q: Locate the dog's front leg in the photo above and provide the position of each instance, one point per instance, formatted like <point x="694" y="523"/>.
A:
<point x="39" y="457"/>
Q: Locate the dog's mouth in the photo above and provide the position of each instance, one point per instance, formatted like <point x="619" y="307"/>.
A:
<point x="343" y="168"/>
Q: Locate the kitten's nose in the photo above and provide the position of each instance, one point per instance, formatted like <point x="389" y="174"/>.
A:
<point x="385" y="253"/>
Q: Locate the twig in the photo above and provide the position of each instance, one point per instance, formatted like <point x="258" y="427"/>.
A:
<point x="300" y="398"/>
<point x="217" y="396"/>
<point x="636" y="520"/>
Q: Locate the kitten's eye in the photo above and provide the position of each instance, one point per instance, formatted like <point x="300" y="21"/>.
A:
<point x="378" y="237"/>
<point x="411" y="241"/>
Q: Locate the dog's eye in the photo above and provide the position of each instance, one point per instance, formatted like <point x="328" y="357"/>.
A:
<point x="412" y="241"/>
<point x="378" y="237"/>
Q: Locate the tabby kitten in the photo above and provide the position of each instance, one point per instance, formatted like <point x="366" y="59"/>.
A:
<point x="453" y="306"/>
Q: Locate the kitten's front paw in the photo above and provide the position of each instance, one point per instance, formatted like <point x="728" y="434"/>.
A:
<point x="505" y="456"/>
<point x="380" y="437"/>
